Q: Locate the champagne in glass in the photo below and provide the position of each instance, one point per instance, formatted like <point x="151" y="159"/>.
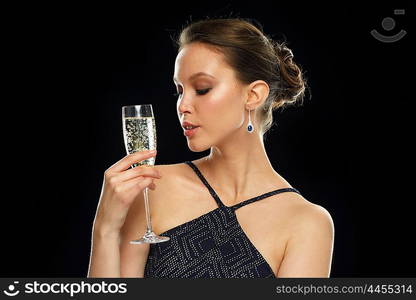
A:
<point x="139" y="131"/>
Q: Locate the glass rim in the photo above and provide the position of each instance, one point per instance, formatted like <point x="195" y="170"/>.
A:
<point x="137" y="105"/>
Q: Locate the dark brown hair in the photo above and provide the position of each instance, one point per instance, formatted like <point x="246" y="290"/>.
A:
<point x="253" y="56"/>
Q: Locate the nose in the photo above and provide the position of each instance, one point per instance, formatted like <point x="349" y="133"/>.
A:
<point x="184" y="104"/>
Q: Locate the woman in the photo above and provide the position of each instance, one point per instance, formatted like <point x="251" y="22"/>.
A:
<point x="229" y="214"/>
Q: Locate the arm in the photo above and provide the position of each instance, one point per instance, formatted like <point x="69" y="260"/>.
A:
<point x="118" y="209"/>
<point x="105" y="255"/>
<point x="112" y="255"/>
<point x="309" y="249"/>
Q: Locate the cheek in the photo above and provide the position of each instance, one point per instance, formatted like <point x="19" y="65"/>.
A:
<point x="223" y="108"/>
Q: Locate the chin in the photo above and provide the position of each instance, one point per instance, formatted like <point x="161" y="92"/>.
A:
<point x="197" y="148"/>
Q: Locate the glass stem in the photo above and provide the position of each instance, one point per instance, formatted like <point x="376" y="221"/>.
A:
<point x="146" y="205"/>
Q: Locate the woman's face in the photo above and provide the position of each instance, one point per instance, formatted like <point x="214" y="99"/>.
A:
<point x="209" y="96"/>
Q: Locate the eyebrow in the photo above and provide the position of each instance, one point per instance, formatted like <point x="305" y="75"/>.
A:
<point x="196" y="75"/>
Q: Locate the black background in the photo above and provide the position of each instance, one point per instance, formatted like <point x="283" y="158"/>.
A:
<point x="71" y="68"/>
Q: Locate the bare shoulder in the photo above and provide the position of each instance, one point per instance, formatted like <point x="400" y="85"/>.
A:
<point x="170" y="168"/>
<point x="173" y="178"/>
<point x="310" y="217"/>
<point x="300" y="217"/>
<point x="171" y="173"/>
<point x="309" y="247"/>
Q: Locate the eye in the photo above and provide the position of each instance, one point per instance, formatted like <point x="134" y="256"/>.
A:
<point x="202" y="92"/>
<point x="199" y="92"/>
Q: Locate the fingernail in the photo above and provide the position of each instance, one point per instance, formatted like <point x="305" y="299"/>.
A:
<point x="152" y="151"/>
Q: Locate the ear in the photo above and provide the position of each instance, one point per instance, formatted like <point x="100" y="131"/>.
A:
<point x="257" y="93"/>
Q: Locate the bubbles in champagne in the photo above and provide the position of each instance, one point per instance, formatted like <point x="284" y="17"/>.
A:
<point x="140" y="135"/>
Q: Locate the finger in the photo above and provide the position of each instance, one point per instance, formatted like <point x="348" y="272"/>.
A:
<point x="134" y="186"/>
<point x="149" y="171"/>
<point x="128" y="160"/>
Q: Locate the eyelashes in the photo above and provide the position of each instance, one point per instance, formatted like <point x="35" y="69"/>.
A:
<point x="198" y="92"/>
<point x="203" y="92"/>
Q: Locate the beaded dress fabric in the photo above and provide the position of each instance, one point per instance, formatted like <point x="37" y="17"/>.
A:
<point x="210" y="246"/>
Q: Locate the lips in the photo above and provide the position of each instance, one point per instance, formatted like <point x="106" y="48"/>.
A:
<point x="189" y="126"/>
<point x="190" y="132"/>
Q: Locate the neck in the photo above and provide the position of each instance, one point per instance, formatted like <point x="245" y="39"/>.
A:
<point x="239" y="168"/>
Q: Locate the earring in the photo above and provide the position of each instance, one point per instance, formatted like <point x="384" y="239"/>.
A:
<point x="250" y="127"/>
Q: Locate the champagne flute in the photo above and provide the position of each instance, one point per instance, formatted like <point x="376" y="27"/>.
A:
<point x="139" y="131"/>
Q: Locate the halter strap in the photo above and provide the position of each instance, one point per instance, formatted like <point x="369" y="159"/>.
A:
<point x="243" y="203"/>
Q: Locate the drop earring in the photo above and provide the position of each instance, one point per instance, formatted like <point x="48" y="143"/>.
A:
<point x="250" y="127"/>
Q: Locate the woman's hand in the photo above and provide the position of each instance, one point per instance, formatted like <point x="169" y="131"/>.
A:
<point x="121" y="186"/>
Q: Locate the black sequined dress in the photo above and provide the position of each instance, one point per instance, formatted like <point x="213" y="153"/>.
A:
<point x="211" y="246"/>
